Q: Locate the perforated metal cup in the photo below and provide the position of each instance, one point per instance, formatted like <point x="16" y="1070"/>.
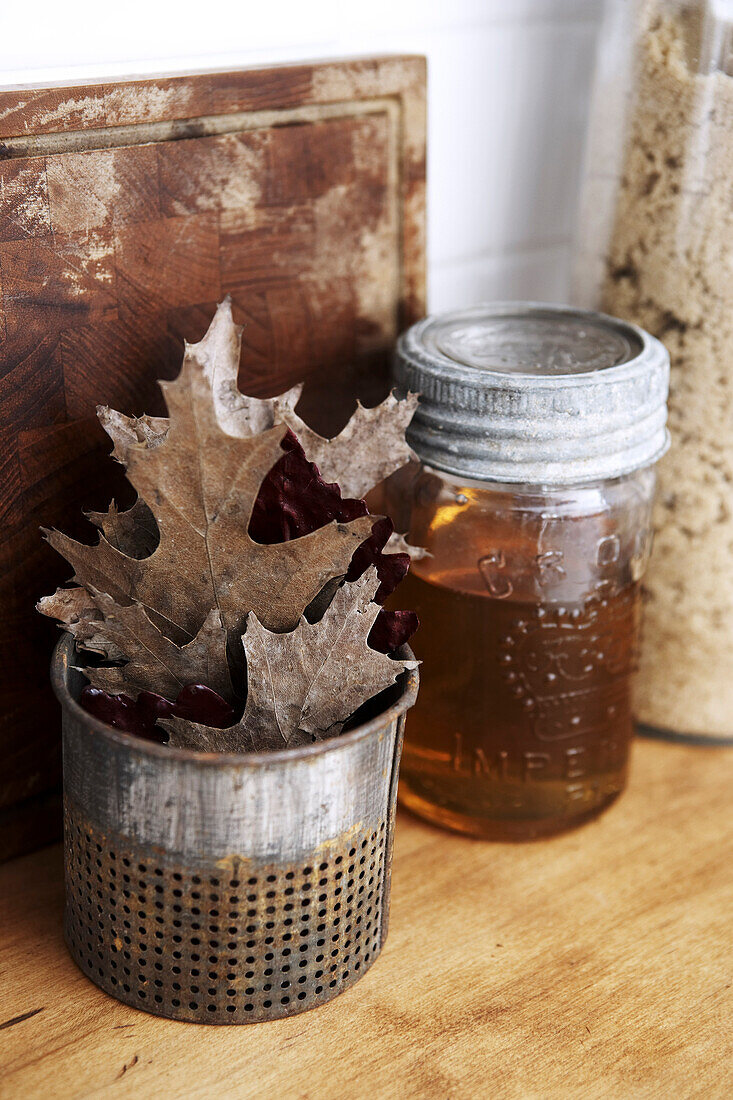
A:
<point x="227" y="889"/>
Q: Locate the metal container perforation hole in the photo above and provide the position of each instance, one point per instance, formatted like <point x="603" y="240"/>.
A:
<point x="255" y="944"/>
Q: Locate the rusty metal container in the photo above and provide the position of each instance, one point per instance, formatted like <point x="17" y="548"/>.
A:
<point x="227" y="889"/>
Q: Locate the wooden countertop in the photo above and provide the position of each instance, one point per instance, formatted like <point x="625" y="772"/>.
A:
<point x="598" y="964"/>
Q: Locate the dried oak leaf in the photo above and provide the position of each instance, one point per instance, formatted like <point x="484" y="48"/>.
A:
<point x="153" y="662"/>
<point x="398" y="544"/>
<point x="127" y="431"/>
<point x="134" y="532"/>
<point x="294" y="500"/>
<point x="305" y="684"/>
<point x="370" y="448"/>
<point x="200" y="485"/>
<point x="77" y="612"/>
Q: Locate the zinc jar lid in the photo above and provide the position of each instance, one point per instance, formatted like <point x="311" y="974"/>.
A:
<point x="540" y="394"/>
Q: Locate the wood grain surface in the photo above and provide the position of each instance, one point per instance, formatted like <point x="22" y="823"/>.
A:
<point x="594" y="965"/>
<point x="127" y="211"/>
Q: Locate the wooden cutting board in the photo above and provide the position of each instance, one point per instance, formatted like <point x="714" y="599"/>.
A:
<point x="127" y="211"/>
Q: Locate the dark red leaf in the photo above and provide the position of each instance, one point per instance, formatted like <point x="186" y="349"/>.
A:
<point x="154" y="706"/>
<point x="391" y="568"/>
<point x="294" y="500"/>
<point x="196" y="702"/>
<point x="124" y="713"/>
<point x="200" y="704"/>
<point x="392" y="629"/>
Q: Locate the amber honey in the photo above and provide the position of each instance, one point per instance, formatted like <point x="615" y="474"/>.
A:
<point x="529" y="607"/>
<point x="524" y="717"/>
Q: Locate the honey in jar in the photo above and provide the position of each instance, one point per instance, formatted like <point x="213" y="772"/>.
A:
<point x="538" y="429"/>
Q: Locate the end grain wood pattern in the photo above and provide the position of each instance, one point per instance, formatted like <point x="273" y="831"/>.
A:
<point x="127" y="211"/>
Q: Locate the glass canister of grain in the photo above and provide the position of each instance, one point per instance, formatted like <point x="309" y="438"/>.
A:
<point x="656" y="248"/>
<point x="537" y="429"/>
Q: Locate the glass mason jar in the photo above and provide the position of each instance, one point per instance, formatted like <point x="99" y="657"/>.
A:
<point x="537" y="430"/>
<point x="656" y="248"/>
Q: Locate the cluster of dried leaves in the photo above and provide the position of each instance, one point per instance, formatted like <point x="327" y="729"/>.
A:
<point x="241" y="572"/>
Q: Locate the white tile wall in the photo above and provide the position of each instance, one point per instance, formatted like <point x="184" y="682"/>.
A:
<point x="509" y="86"/>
